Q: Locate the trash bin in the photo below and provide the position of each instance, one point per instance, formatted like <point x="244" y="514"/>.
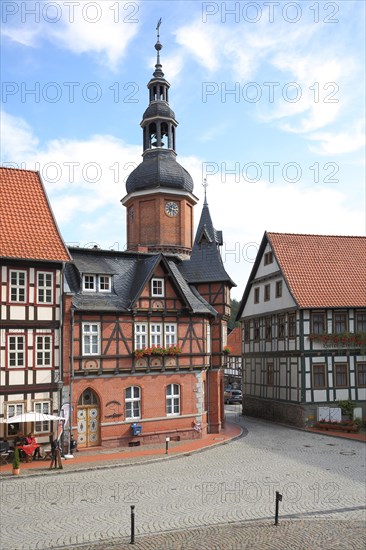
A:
<point x="136" y="429"/>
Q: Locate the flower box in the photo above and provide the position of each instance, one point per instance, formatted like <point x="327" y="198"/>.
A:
<point x="344" y="426"/>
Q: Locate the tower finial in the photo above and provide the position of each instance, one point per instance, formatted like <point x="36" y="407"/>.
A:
<point x="158" y="72"/>
<point x="205" y="185"/>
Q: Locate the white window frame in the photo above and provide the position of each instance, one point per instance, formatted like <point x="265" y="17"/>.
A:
<point x="19" y="288"/>
<point x="103" y="279"/>
<point x="45" y="288"/>
<point x="156" y="334"/>
<point x="16" y="352"/>
<point x="140" y="335"/>
<point x="170" y="335"/>
<point x="91" y="339"/>
<point x="157" y="287"/>
<point x="44" y="351"/>
<point x="18" y="409"/>
<point x="132" y="401"/>
<point x="89" y="282"/>
<point x="172" y="394"/>
<point x="45" y="408"/>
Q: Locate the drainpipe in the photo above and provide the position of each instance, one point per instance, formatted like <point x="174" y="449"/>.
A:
<point x="71" y="375"/>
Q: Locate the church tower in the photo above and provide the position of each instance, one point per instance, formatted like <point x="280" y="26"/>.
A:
<point x="159" y="198"/>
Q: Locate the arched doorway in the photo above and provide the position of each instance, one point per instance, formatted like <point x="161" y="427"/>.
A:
<point x="88" y="419"/>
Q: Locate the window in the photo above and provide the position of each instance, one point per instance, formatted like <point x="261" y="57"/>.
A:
<point x="270" y="375"/>
<point x="133" y="403"/>
<point x="340" y="376"/>
<point x="18" y="281"/>
<point x="14" y="410"/>
<point x="340" y="322"/>
<point x="43" y="351"/>
<point x="256" y="333"/>
<point x="44" y="288"/>
<point x="16" y="351"/>
<point x="361" y="374"/>
<point x="361" y="321"/>
<point x="292" y="325"/>
<point x="246" y="331"/>
<point x="105" y="283"/>
<point x="157" y="287"/>
<point x="44" y="408"/>
<point x="140" y="335"/>
<point x="268" y="258"/>
<point x="91" y="339"/>
<point x="318" y="376"/>
<point x="318" y="323"/>
<point x="281" y="326"/>
<point x="170" y="335"/>
<point x="173" y="399"/>
<point x="156" y="333"/>
<point x="256" y="295"/>
<point x="208" y="338"/>
<point x="89" y="283"/>
<point x="268" y="328"/>
<point x="267" y="293"/>
<point x="278" y="289"/>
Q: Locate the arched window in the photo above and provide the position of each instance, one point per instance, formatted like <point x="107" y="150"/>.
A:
<point x="173" y="399"/>
<point x="88" y="397"/>
<point x="133" y="403"/>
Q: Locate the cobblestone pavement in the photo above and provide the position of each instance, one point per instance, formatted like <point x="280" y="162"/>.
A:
<point x="220" y="498"/>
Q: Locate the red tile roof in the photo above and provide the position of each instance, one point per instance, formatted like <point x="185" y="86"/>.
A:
<point x="322" y="271"/>
<point x="234" y="341"/>
<point x="28" y="229"/>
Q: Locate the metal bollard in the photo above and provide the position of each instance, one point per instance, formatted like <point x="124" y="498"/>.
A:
<point x="132" y="524"/>
<point x="167" y="439"/>
<point x="278" y="499"/>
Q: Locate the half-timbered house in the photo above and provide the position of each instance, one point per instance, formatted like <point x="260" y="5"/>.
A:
<point x="32" y="258"/>
<point x="144" y="353"/>
<point x="303" y="317"/>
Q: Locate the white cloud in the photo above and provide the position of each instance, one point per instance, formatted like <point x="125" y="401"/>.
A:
<point x="103" y="28"/>
<point x="340" y="142"/>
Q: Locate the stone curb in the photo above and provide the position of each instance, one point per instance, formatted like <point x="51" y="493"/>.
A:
<point x="243" y="433"/>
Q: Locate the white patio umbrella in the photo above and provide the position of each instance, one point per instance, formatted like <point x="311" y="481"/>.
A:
<point x="31" y="417"/>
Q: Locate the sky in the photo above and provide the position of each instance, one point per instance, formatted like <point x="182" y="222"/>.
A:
<point x="269" y="96"/>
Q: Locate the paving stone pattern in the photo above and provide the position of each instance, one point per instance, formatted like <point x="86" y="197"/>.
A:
<point x="223" y="497"/>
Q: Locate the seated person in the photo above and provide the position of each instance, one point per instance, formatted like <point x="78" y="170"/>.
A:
<point x="31" y="440"/>
<point x="20" y="440"/>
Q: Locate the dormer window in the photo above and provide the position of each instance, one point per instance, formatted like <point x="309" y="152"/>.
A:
<point x="94" y="283"/>
<point x="89" y="283"/>
<point x="157" y="287"/>
<point x="105" y="283"/>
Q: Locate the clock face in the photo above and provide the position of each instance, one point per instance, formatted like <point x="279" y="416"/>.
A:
<point x="171" y="208"/>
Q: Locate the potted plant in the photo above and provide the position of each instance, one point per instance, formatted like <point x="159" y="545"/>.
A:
<point x="347" y="407"/>
<point x="16" y="462"/>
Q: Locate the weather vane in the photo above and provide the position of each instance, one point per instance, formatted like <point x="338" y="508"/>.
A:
<point x="157" y="27"/>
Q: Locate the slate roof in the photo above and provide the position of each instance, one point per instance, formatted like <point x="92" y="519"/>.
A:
<point x="205" y="263"/>
<point x="159" y="168"/>
<point x="160" y="109"/>
<point x="28" y="229"/>
<point x="130" y="274"/>
<point x="322" y="270"/>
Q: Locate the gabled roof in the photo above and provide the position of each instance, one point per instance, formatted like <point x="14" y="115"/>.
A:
<point x="28" y="229"/>
<point x="131" y="272"/>
<point x="205" y="264"/>
<point x="321" y="271"/>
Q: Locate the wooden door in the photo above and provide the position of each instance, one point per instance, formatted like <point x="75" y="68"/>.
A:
<point x="88" y="420"/>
